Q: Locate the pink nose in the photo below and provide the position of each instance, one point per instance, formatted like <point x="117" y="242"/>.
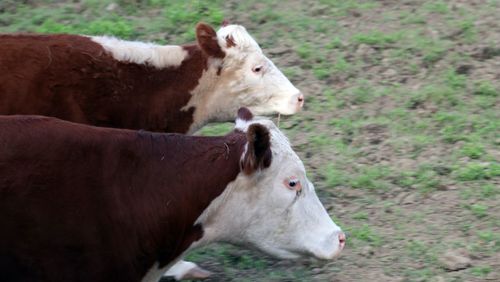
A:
<point x="342" y="240"/>
<point x="301" y="100"/>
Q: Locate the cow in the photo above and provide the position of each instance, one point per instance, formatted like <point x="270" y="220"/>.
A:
<point x="105" y="81"/>
<point x="84" y="203"/>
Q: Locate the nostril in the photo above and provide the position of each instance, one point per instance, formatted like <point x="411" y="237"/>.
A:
<point x="301" y="98"/>
<point x="342" y="238"/>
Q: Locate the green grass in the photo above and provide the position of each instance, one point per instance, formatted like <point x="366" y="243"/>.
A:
<point x="292" y="72"/>
<point x="371" y="178"/>
<point x="341" y="65"/>
<point x="485" y="88"/>
<point x="363" y="93"/>
<point x="489" y="191"/>
<point x="320" y="140"/>
<point x="117" y="27"/>
<point x="439" y="94"/>
<point x="346" y="126"/>
<point x="366" y="235"/>
<point x="477" y="171"/>
<point x="342" y="8"/>
<point x="175" y="18"/>
<point x="454" y="80"/>
<point x="440" y="123"/>
<point x="468" y="30"/>
<point x="362" y="215"/>
<point x="304" y="51"/>
<point x="483" y="192"/>
<point x="425" y="179"/>
<point x="424" y="274"/>
<point x="489" y="240"/>
<point x="183" y="15"/>
<point x="485" y="102"/>
<point x="377" y="38"/>
<point x="479" y="210"/>
<point x="216" y="129"/>
<point x="334" y="43"/>
<point x="473" y="150"/>
<point x="429" y="49"/>
<point x="321" y="71"/>
<point x="412" y="18"/>
<point x="417" y="249"/>
<point x="481" y="271"/>
<point x="439" y="7"/>
<point x="58" y="20"/>
<point x="452" y="126"/>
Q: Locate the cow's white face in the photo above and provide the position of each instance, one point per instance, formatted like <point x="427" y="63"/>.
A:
<point x="256" y="81"/>
<point x="272" y="205"/>
<point x="238" y="75"/>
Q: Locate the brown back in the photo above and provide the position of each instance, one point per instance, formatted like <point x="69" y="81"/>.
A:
<point x="81" y="203"/>
<point x="73" y="78"/>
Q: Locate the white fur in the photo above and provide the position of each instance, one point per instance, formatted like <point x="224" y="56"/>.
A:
<point x="218" y="97"/>
<point x="176" y="270"/>
<point x="180" y="269"/>
<point x="276" y="92"/>
<point x="240" y="36"/>
<point x="154" y="273"/>
<point x="241" y="124"/>
<point x="142" y="53"/>
<point x="259" y="211"/>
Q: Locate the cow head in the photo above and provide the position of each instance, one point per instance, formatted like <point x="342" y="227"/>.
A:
<point x="239" y="74"/>
<point x="272" y="205"/>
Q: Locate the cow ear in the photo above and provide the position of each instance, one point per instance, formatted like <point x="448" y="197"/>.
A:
<point x="245" y="114"/>
<point x="258" y="154"/>
<point x="207" y="40"/>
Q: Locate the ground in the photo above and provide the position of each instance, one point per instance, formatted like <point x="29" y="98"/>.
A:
<point x="400" y="132"/>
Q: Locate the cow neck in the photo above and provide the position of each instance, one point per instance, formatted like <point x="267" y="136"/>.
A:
<point x="170" y="111"/>
<point x="201" y="167"/>
<point x="164" y="94"/>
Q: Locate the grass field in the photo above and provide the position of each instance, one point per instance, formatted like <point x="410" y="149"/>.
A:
<point x="400" y="131"/>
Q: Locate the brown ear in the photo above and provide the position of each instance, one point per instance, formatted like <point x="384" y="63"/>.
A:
<point x="258" y="154"/>
<point x="245" y="114"/>
<point x="207" y="40"/>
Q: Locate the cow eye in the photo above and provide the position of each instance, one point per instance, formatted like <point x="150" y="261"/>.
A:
<point x="257" y="69"/>
<point x="292" y="183"/>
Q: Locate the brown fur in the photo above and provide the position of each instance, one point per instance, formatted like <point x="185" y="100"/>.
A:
<point x="258" y="155"/>
<point x="230" y="41"/>
<point x="73" y="78"/>
<point x="245" y="114"/>
<point x="82" y="203"/>
<point x="207" y="39"/>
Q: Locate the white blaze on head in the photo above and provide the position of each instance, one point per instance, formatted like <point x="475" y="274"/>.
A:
<point x="272" y="205"/>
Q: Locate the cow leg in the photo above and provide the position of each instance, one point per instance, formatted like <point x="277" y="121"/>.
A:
<point x="183" y="270"/>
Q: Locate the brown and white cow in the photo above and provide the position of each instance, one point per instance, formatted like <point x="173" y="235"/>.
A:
<point x="106" y="81"/>
<point x="82" y="203"/>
